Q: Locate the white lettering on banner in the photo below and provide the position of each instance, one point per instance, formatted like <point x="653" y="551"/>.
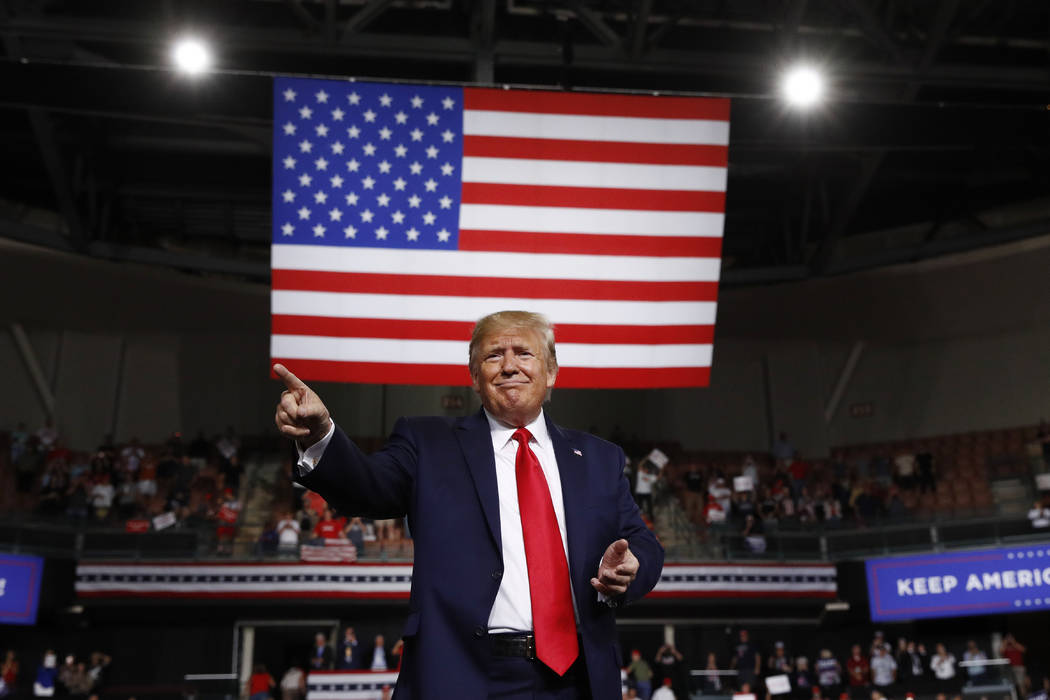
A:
<point x="926" y="585"/>
<point x="3" y="587"/>
<point x="1020" y="578"/>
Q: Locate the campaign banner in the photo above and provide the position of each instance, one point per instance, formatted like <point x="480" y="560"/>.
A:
<point x="19" y="588"/>
<point x="974" y="582"/>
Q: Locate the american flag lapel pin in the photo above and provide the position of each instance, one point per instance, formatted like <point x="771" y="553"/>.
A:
<point x="577" y="453"/>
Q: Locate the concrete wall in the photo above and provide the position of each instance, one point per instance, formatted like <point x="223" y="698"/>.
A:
<point x="951" y="345"/>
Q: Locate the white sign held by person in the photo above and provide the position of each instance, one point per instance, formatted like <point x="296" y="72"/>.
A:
<point x="164" y="520"/>
<point x="742" y="483"/>
<point x="658" y="458"/>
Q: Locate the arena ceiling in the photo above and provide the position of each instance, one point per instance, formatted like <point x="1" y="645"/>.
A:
<point x="936" y="139"/>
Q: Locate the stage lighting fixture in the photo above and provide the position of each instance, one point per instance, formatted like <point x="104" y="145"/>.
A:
<point x="191" y="56"/>
<point x="803" y="86"/>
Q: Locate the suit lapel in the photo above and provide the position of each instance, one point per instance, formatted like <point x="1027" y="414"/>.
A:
<point x="476" y="443"/>
<point x="573" y="471"/>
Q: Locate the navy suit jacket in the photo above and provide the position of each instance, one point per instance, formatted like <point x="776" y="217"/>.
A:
<point x="442" y="473"/>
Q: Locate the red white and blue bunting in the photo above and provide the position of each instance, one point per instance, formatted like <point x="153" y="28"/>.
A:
<point x="298" y="580"/>
<point x="348" y="685"/>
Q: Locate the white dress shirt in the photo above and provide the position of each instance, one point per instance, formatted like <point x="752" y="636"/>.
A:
<point x="512" y="609"/>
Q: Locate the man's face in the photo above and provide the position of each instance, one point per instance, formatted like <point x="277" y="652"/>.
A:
<point x="512" y="378"/>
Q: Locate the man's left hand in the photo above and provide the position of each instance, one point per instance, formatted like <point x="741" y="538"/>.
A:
<point x="618" y="568"/>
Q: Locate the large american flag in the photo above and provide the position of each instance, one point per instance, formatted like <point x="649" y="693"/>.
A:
<point x="403" y="213"/>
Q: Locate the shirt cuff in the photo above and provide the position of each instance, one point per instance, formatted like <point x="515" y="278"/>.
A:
<point x="309" y="457"/>
<point x="602" y="598"/>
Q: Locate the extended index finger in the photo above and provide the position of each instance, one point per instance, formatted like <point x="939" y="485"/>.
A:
<point x="291" y="381"/>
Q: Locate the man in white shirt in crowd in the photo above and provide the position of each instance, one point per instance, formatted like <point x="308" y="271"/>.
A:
<point x="883" y="668"/>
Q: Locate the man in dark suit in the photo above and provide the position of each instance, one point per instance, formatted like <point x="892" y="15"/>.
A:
<point x="526" y="534"/>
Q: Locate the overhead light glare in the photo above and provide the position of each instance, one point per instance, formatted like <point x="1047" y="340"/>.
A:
<point x="803" y="86"/>
<point x="192" y="56"/>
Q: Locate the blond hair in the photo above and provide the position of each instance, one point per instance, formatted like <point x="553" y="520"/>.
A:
<point x="507" y="320"/>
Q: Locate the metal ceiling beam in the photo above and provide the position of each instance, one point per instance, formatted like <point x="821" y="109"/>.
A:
<point x="525" y="53"/>
<point x="946" y="12"/>
<point x="309" y="22"/>
<point x="595" y="24"/>
<point x="484" y="28"/>
<point x="363" y="17"/>
<point x="641" y="27"/>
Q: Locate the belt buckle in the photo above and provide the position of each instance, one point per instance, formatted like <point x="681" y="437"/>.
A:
<point x="530" y="647"/>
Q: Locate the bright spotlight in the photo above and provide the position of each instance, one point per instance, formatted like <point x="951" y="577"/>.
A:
<point x="803" y="86"/>
<point x="192" y="56"/>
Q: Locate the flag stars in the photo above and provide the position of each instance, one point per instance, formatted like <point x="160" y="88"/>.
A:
<point x="370" y="116"/>
<point x="322" y="130"/>
<point x="414" y="201"/>
<point x="384" y="166"/>
<point x="289" y="95"/>
<point x="353" y="132"/>
<point x="416" y="167"/>
<point x="305" y="180"/>
<point x="368" y="183"/>
<point x="335" y="215"/>
<point x="289" y="129"/>
<point x="416" y="135"/>
<point x="399" y="184"/>
<point x="351" y="199"/>
<point x="319" y="231"/>
<point x="384" y="134"/>
<point x="417" y="101"/>
<point x="413" y="234"/>
<point x="432" y="119"/>
<point x="383" y="200"/>
<point x="337" y="148"/>
<point x="305" y="112"/>
<point x="320" y="196"/>
<point x="447" y="136"/>
<point x="431" y="185"/>
<point x="321" y="164"/>
<point x="398" y="217"/>
<point x="429" y="218"/>
<point x="432" y="152"/>
<point x="287" y="229"/>
<point x="322" y="97"/>
<point x="336" y="181"/>
<point x="446" y="168"/>
<point x="385" y="100"/>
<point x="381" y="233"/>
<point x="305" y="146"/>
<point x="338" y="114"/>
<point x="352" y="165"/>
<point x="446" y="202"/>
<point x="350" y="232"/>
<point x="366" y="216"/>
<point x="304" y="213"/>
<point x="288" y="196"/>
<point x="400" y="151"/>
<point x="448" y="103"/>
<point x="354" y="98"/>
<point x="289" y="163"/>
<point x="401" y="118"/>
<point x="443" y="235"/>
<point x="369" y="149"/>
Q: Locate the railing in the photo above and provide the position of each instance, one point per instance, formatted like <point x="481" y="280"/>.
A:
<point x="62" y="539"/>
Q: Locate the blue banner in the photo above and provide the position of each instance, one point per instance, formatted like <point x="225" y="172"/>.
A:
<point x="975" y="582"/>
<point x="19" y="588"/>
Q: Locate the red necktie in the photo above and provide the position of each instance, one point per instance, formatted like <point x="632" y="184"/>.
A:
<point x="553" y="621"/>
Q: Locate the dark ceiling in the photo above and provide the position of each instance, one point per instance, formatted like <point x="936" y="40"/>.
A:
<point x="937" y="137"/>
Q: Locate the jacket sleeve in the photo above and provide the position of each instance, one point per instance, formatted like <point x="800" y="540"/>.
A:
<point x="640" y="538"/>
<point x="375" y="486"/>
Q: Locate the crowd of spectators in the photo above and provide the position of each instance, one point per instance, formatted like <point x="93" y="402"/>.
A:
<point x="71" y="677"/>
<point x="868" y="672"/>
<point x="131" y="485"/>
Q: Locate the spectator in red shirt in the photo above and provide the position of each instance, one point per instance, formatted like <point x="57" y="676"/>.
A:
<point x="330" y="527"/>
<point x="260" y="683"/>
<point x="858" y="672"/>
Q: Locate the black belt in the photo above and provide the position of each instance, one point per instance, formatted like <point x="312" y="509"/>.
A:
<point x="513" y="644"/>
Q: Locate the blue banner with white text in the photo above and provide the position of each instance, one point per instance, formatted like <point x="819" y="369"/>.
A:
<point x="19" y="588"/>
<point x="956" y="584"/>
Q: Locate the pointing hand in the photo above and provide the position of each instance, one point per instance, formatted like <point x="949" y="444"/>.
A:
<point x="300" y="414"/>
<point x="618" y="568"/>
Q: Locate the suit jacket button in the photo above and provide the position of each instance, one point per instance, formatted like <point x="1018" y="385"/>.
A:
<point x="497" y="575"/>
<point x="479" y="631"/>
